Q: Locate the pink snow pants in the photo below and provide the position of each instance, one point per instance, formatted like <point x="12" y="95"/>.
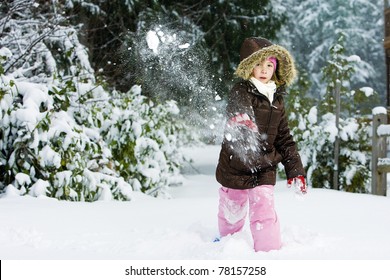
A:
<point x="264" y="223"/>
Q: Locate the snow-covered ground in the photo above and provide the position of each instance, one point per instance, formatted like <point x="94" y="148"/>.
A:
<point x="324" y="224"/>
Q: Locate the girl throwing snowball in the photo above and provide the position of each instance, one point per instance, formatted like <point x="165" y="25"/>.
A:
<point x="257" y="138"/>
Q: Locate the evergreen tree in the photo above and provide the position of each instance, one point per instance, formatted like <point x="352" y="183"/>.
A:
<point x="225" y="24"/>
<point x="310" y="33"/>
<point x="298" y="109"/>
<point x="199" y="43"/>
<point x="220" y="26"/>
<point x="353" y="132"/>
<point x="61" y="131"/>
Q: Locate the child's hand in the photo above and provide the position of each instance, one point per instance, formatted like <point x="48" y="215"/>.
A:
<point x="299" y="184"/>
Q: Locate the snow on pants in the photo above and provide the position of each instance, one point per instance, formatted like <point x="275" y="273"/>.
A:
<point x="264" y="223"/>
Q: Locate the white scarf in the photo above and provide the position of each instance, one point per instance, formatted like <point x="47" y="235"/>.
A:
<point x="267" y="89"/>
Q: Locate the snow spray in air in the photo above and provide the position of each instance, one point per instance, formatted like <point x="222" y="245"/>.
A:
<point x="173" y="65"/>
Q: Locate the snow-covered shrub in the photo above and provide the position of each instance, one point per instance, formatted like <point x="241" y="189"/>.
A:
<point x="317" y="148"/>
<point x="45" y="152"/>
<point x="81" y="143"/>
<point x="316" y="132"/>
<point x="42" y="43"/>
<point x="145" y="140"/>
<point x="61" y="133"/>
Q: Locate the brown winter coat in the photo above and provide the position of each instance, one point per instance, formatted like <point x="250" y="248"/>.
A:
<point x="248" y="159"/>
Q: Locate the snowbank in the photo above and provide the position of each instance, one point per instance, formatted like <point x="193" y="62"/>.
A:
<point x="325" y="224"/>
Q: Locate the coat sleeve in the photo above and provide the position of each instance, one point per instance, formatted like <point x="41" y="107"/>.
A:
<point x="241" y="132"/>
<point x="286" y="146"/>
<point x="239" y="102"/>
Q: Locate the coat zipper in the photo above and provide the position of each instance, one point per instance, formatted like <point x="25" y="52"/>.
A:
<point x="270" y="114"/>
<point x="269" y="119"/>
<point x="272" y="106"/>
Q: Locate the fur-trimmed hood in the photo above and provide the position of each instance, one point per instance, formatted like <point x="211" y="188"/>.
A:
<point x="257" y="49"/>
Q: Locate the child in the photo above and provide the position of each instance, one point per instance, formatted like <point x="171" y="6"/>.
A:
<point x="257" y="138"/>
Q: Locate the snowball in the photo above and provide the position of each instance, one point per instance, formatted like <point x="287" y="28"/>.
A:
<point x="153" y="41"/>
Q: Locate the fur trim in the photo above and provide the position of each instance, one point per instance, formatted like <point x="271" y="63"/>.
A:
<point x="285" y="71"/>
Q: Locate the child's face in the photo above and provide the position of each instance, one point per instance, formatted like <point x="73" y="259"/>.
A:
<point x="263" y="71"/>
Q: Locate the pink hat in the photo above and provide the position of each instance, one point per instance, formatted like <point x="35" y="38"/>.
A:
<point x="274" y="61"/>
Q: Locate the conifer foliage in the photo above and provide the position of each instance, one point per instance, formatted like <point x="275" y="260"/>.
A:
<point x="63" y="133"/>
<point x="317" y="130"/>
